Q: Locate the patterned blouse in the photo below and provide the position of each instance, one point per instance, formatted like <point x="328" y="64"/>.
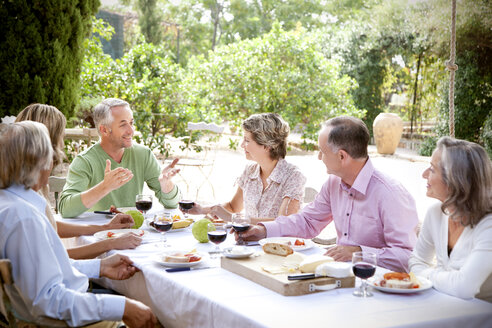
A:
<point x="286" y="180"/>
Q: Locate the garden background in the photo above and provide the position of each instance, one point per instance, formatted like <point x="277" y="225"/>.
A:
<point x="221" y="61"/>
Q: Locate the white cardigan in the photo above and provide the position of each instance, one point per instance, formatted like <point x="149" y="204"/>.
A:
<point x="467" y="272"/>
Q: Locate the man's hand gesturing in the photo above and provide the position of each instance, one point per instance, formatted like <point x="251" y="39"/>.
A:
<point x="166" y="175"/>
<point x="113" y="179"/>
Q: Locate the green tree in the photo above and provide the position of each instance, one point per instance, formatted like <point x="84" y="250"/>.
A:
<point x="41" y="52"/>
<point x="150" y="21"/>
<point x="282" y="72"/>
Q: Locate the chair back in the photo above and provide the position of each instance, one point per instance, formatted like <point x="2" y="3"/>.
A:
<point x="14" y="320"/>
<point x="56" y="186"/>
<point x="203" y="152"/>
<point x="309" y="194"/>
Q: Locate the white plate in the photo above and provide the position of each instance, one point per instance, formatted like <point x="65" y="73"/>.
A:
<point x="308" y="243"/>
<point x="425" y="284"/>
<point x="103" y="235"/>
<point x="247" y="253"/>
<point x="158" y="259"/>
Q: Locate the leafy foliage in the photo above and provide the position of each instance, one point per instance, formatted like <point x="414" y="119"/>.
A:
<point x="282" y="72"/>
<point x="41" y="52"/>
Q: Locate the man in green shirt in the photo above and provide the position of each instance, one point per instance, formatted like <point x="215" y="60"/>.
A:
<point x="113" y="171"/>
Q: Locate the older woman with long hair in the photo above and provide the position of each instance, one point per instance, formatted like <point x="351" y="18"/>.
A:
<point x="458" y="230"/>
<point x="46" y="282"/>
<point x="55" y="121"/>
<point x="270" y="186"/>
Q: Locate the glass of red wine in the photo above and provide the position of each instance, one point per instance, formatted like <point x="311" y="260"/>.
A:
<point x="185" y="205"/>
<point x="163" y="225"/>
<point x="240" y="223"/>
<point x="217" y="234"/>
<point x="143" y="203"/>
<point x="364" y="266"/>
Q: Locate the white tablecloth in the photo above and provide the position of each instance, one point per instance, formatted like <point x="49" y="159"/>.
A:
<point x="215" y="297"/>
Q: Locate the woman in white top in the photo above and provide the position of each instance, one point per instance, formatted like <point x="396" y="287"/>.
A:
<point x="458" y="230"/>
<point x="270" y="186"/>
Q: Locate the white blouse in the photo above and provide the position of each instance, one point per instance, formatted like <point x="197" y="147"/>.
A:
<point x="286" y="180"/>
<point x="467" y="271"/>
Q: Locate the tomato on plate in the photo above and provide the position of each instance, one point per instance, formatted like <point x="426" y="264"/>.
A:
<point x="110" y="234"/>
<point x="193" y="257"/>
<point x="299" y="242"/>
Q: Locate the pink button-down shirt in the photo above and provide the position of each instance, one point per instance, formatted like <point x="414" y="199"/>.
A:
<point x="377" y="213"/>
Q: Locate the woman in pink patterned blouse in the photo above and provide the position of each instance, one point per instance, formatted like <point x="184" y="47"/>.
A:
<point x="269" y="187"/>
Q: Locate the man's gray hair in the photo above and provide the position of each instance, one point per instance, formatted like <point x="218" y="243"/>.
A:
<point x="25" y="150"/>
<point x="102" y="111"/>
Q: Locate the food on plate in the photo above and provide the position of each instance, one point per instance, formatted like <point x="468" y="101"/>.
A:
<point x="238" y="250"/>
<point x="112" y="234"/>
<point x="215" y="220"/>
<point x="178" y="222"/>
<point x="181" y="257"/>
<point x="334" y="269"/>
<point x="114" y="210"/>
<point x="181" y="223"/>
<point x="311" y="262"/>
<point x="277" y="249"/>
<point x="299" y="242"/>
<point x="399" y="280"/>
<point x="200" y="230"/>
<point x="138" y="218"/>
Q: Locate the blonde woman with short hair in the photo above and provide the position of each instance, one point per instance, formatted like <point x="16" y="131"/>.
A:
<point x="270" y="186"/>
<point x="457" y="231"/>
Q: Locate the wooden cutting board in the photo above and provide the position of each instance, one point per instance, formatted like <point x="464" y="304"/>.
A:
<point x="251" y="268"/>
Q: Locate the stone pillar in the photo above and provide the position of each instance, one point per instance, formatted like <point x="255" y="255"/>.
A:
<point x="387" y="129"/>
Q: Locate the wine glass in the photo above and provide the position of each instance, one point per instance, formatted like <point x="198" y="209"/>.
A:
<point x="240" y="223"/>
<point x="162" y="224"/>
<point x="216" y="234"/>
<point x="364" y="266"/>
<point x="143" y="203"/>
<point x="185" y="205"/>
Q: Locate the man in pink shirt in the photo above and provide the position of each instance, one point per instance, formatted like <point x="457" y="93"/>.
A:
<point x="371" y="211"/>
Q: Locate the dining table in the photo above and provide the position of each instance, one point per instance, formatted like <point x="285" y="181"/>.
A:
<point x="215" y="297"/>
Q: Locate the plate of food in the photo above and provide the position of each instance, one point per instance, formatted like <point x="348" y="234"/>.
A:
<point x="179" y="223"/>
<point x="115" y="233"/>
<point x="297" y="244"/>
<point x="238" y="252"/>
<point x="180" y="259"/>
<point x="400" y="283"/>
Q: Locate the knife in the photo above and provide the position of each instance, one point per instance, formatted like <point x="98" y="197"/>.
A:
<point x="303" y="276"/>
<point x="186" y="269"/>
<point x="103" y="212"/>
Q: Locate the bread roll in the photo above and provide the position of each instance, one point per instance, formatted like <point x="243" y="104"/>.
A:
<point x="334" y="269"/>
<point x="311" y="262"/>
<point x="176" y="259"/>
<point x="277" y="249"/>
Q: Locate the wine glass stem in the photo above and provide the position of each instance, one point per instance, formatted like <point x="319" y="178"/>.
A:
<point x="363" y="288"/>
<point x="163" y="238"/>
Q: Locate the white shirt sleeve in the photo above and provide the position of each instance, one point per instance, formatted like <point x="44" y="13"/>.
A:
<point x="48" y="283"/>
<point x="465" y="281"/>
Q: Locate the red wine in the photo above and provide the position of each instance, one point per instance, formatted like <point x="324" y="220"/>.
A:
<point x="143" y="205"/>
<point x="217" y="237"/>
<point x="186" y="204"/>
<point x="240" y="227"/>
<point x="163" y="225"/>
<point x="363" y="270"/>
